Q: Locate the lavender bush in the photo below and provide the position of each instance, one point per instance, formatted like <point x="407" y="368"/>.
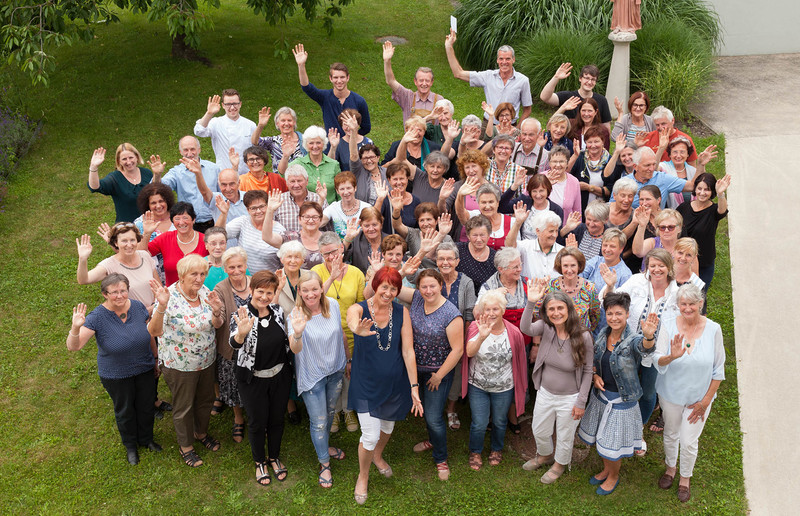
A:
<point x="16" y="132"/>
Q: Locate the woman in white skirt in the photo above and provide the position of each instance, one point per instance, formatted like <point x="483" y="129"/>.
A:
<point x="562" y="375"/>
<point x="612" y="420"/>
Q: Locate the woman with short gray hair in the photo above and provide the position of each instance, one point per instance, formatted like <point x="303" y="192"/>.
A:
<point x="587" y="236"/>
<point x="287" y="145"/>
<point x="620" y="209"/>
<point x="319" y="166"/>
<point x="488" y="197"/>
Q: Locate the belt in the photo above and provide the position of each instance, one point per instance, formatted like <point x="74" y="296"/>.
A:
<point x="268" y="373"/>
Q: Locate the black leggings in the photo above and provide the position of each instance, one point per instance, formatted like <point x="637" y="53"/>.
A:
<point x="264" y="400"/>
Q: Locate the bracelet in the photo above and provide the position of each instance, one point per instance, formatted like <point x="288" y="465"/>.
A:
<point x="395" y="218"/>
<point x="73" y="335"/>
<point x="95" y="170"/>
<point x="650" y="338"/>
<point x="162" y="313"/>
<point x="349" y="360"/>
<point x="414" y="385"/>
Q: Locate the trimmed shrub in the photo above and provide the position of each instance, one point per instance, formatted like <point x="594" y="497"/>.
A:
<point x="667" y="37"/>
<point x="540" y="55"/>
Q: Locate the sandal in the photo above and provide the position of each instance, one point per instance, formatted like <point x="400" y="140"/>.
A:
<point x="280" y="470"/>
<point x="642" y="451"/>
<point x="385" y="472"/>
<point x="551" y="476"/>
<point x="262" y="474"/>
<point x="218" y="407"/>
<point x="475" y="461"/>
<point x="337" y="454"/>
<point x="164" y="407"/>
<point x="238" y="431"/>
<point x="515" y="428"/>
<point x="209" y="442"/>
<point x="658" y="425"/>
<point x="452" y="421"/>
<point x="423" y="446"/>
<point x="191" y="458"/>
<point x="325" y="483"/>
<point x="443" y="470"/>
<point x="495" y="458"/>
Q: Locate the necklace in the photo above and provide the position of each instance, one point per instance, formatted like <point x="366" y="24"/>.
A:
<point x="570" y="291"/>
<point x="377" y="330"/>
<point x="194" y="235"/>
<point x="191" y="300"/>
<point x="333" y="284"/>
<point x="242" y="290"/>
<point x="351" y="209"/>
<point x="561" y="343"/>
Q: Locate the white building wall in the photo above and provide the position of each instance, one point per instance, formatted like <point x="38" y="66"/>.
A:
<point x="764" y="27"/>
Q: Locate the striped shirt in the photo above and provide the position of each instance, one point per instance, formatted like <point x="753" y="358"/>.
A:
<point x="323" y="348"/>
<point x="260" y="255"/>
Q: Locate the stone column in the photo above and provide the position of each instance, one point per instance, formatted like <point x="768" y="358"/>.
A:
<point x="620" y="74"/>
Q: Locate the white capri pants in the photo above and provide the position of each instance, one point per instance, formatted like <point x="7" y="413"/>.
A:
<point x="680" y="433"/>
<point x="371" y="428"/>
<point x="555" y="409"/>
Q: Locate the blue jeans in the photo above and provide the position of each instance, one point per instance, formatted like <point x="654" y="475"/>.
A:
<point x="320" y="402"/>
<point x="433" y="405"/>
<point x="481" y="403"/>
<point x="706" y="274"/>
<point x="647" y="379"/>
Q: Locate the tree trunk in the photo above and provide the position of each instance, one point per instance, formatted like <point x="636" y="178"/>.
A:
<point x="180" y="50"/>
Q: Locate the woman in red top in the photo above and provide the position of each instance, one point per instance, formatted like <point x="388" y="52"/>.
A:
<point x="174" y="245"/>
<point x="488" y="196"/>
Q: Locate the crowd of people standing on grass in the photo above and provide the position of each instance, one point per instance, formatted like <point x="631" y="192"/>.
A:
<point x="490" y="259"/>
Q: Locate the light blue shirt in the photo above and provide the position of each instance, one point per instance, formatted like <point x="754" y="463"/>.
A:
<point x="517" y="90"/>
<point x="686" y="380"/>
<point x="184" y="183"/>
<point x="323" y="348"/>
<point x="237" y="209"/>
<point x="666" y="183"/>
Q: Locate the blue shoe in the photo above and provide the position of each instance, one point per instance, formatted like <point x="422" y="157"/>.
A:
<point x="603" y="492"/>
<point x="596" y="481"/>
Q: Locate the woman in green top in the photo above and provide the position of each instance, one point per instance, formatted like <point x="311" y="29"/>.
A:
<point x="319" y="166"/>
<point x="124" y="183"/>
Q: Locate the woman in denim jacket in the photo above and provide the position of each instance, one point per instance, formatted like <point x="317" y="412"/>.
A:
<point x="612" y="420"/>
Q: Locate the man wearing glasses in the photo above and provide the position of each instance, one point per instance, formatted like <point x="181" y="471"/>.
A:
<point x="231" y="130"/>
<point x="289" y="211"/>
<point x="588" y="80"/>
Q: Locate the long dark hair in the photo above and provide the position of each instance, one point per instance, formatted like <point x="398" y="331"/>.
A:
<point x="572" y="326"/>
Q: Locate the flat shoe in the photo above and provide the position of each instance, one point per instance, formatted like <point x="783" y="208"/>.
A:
<point x="535" y="463"/>
<point x="515" y="428"/>
<point x="643" y="451"/>
<point x="684" y="494"/>
<point x="217" y="409"/>
<point x="443" y="470"/>
<point x="665" y="482"/>
<point x="209" y="442"/>
<point x="603" y="492"/>
<point x="495" y="458"/>
<point x="453" y="423"/>
<point x="385" y="472"/>
<point x="596" y="481"/>
<point x="262" y="474"/>
<point x="475" y="461"/>
<point x="133" y="456"/>
<point x="153" y="446"/>
<point x="423" y="446"/>
<point x="360" y="499"/>
<point x="238" y="431"/>
<point x="550" y="476"/>
<point x="191" y="458"/>
<point x="323" y="482"/>
<point x="337" y="454"/>
<point x="164" y="407"/>
<point x="280" y="470"/>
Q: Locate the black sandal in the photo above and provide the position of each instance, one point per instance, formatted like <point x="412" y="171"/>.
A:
<point x="191" y="458"/>
<point x="218" y="407"/>
<point x="515" y="428"/>
<point x="209" y="442"/>
<point x="280" y="470"/>
<point x="262" y="474"/>
<point x="238" y="431"/>
<point x="658" y="424"/>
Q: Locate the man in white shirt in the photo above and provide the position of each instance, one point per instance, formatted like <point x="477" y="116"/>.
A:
<point x="538" y="254"/>
<point x="231" y="130"/>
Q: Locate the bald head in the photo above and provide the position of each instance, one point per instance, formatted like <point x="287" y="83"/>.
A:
<point x="189" y="147"/>
<point x="229" y="184"/>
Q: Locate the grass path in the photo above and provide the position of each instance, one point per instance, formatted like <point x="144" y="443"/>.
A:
<point x="59" y="450"/>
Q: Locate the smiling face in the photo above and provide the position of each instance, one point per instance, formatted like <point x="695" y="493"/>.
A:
<point x="473" y="170"/>
<point x="658" y="271"/>
<point x="385" y="293"/>
<point x="298" y="186"/>
<point x="626" y="157"/>
<point x="611" y="250"/>
<point x="445" y="117"/>
<point x="426" y="222"/>
<point x="487" y="204"/>
<point x="647" y="200"/>
<point x="645" y="168"/>
<point x="370" y="160"/>
<point x="547" y="236"/>
<point x="315" y="146"/>
<point x="429" y="289"/>
<point x="255" y="164"/>
<point x="157" y="205"/>
<point x="624" y="199"/>
<point x="557" y="131"/>
<point x="587" y="82"/>
<point x="638" y="107"/>
<point x="493" y="312"/>
<point x="262" y="297"/>
<point x="398" y="181"/>
<point x="229" y="184"/>
<point x="539" y="196"/>
<point x="394" y="257"/>
<point x="191" y="282"/>
<point x="189" y="147"/>
<point x="512" y="272"/>
<point x="504" y="117"/>
<point x="346" y="190"/>
<point x="309" y="220"/>
<point x="257" y="211"/>
<point x="423" y="82"/>
<point x="311" y="292"/>
<point x="183" y="222"/>
<point x="617" y="318"/>
<point x="683" y="259"/>
<point x="127" y="242"/>
<point x="339" y="79"/>
<point x="286" y="123"/>
<point x="478" y="237"/>
<point x="371" y="229"/>
<point x="587" y="113"/>
<point x="595" y="226"/>
<point x="569" y="267"/>
<point x="594" y="147"/>
<point x="435" y="171"/>
<point x="236" y="268"/>
<point x="703" y="192"/>
<point x="502" y="151"/>
<point x="689" y="309"/>
<point x="216" y="244"/>
<point x="446" y="262"/>
<point x="292" y="262"/>
<point x="505" y="62"/>
<point x="528" y="135"/>
<point x="557" y="312"/>
<point x="669" y="229"/>
<point x="128" y="162"/>
<point x="558" y="164"/>
<point x="232" y="105"/>
<point x="679" y="153"/>
<point x="663" y="122"/>
<point x="117" y="295"/>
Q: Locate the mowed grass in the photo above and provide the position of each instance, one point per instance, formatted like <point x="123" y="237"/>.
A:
<point x="60" y="451"/>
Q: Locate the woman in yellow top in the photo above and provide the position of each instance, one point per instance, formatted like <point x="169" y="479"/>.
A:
<point x="345" y="283"/>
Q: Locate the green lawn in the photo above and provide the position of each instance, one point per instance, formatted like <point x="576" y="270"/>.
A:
<point x="60" y="450"/>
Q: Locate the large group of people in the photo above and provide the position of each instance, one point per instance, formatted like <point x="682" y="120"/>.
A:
<point x="495" y="259"/>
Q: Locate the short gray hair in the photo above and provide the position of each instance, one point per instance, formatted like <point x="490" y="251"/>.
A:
<point x="423" y="69"/>
<point x="192" y="137"/>
<point x="662" y="112"/>
<point x="616" y="234"/>
<point x="471" y="120"/>
<point x="505" y="256"/>
<point x="504" y="138"/>
<point x="314" y="131"/>
<point x="488" y="188"/>
<point x="328" y="238"/>
<point x="597" y="209"/>
<point x="285" y="110"/>
<point x="296" y="170"/>
<point x="625" y="184"/>
<point x="496" y="295"/>
<point x="690" y="292"/>
<point x="531" y="120"/>
<point x="641" y="152"/>
<point x="232" y="253"/>
<point x="507" y="48"/>
<point x="545" y="218"/>
<point x="448" y="246"/>
<point x="437" y="158"/>
<point x="292" y="247"/>
<point x="445" y="104"/>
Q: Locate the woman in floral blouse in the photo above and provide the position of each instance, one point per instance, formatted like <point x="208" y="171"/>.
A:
<point x="184" y="319"/>
<point x="570" y="263"/>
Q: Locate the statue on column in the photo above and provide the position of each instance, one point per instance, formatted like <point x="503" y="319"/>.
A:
<point x="626" y="16"/>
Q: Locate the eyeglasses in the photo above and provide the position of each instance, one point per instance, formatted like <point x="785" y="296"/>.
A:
<point x="231" y="104"/>
<point x="310" y="218"/>
<point x="670" y="227"/>
<point x="640" y="106"/>
<point x="260" y="207"/>
<point x="369" y="158"/>
<point x="329" y="253"/>
<point x="446" y="259"/>
<point x="254" y="160"/>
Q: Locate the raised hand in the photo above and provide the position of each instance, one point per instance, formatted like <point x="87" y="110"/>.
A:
<point x="410" y="266"/>
<point x="572" y="103"/>
<point x="537" y="288"/>
<point x="352" y="229"/>
<point x="333" y="137"/>
<point x="214" y="302"/>
<point x="707" y="155"/>
<point x="322" y="191"/>
<point x="640" y="138"/>
<point x="619" y="143"/>
<point x="571" y="241"/>
<point x="410" y="135"/>
<point x="618" y="105"/>
<point x="213" y="105"/>
<point x="287" y="148"/>
<point x="300" y="54"/>
<point x="98" y="156"/>
<point x="375" y="260"/>
<point x="484" y="328"/>
<point x="563" y="71"/>
<point x="382" y="190"/>
<point x="299" y="321"/>
<point x="487" y="108"/>
<point x="650" y="325"/>
<point x="222" y="204"/>
<point x="576" y="145"/>
<point x="553" y="176"/>
<point x="78" y="315"/>
<point x="451" y="130"/>
<point x="84" y="247"/>
<point x="519" y="178"/>
<point x="641" y="215"/>
<point x="233" y="157"/>
<point x="264" y="115"/>
<point x="275" y="201"/>
<point x="388" y="50"/>
<point x="663" y="137"/>
<point x="470" y="186"/>
<point x="450" y="39"/>
<point x="447" y="188"/>
<point x="350" y="124"/>
<point x="427" y="240"/>
<point x="156" y="165"/>
<point x="338" y="267"/>
<point x="573" y="221"/>
<point x="364" y="328"/>
<point x="161" y="293"/>
<point x="104" y="231"/>
<point x="608" y="274"/>
<point x="676" y="347"/>
<point x="445" y="223"/>
<point x="149" y="223"/>
<point x="541" y="141"/>
<point x="723" y="184"/>
<point x="521" y="211"/>
<point x="244" y="322"/>
<point x="192" y="165"/>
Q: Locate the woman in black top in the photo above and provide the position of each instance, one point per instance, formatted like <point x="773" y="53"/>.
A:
<point x="477" y="258"/>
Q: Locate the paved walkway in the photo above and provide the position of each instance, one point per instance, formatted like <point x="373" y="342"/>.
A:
<point x="756" y="106"/>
